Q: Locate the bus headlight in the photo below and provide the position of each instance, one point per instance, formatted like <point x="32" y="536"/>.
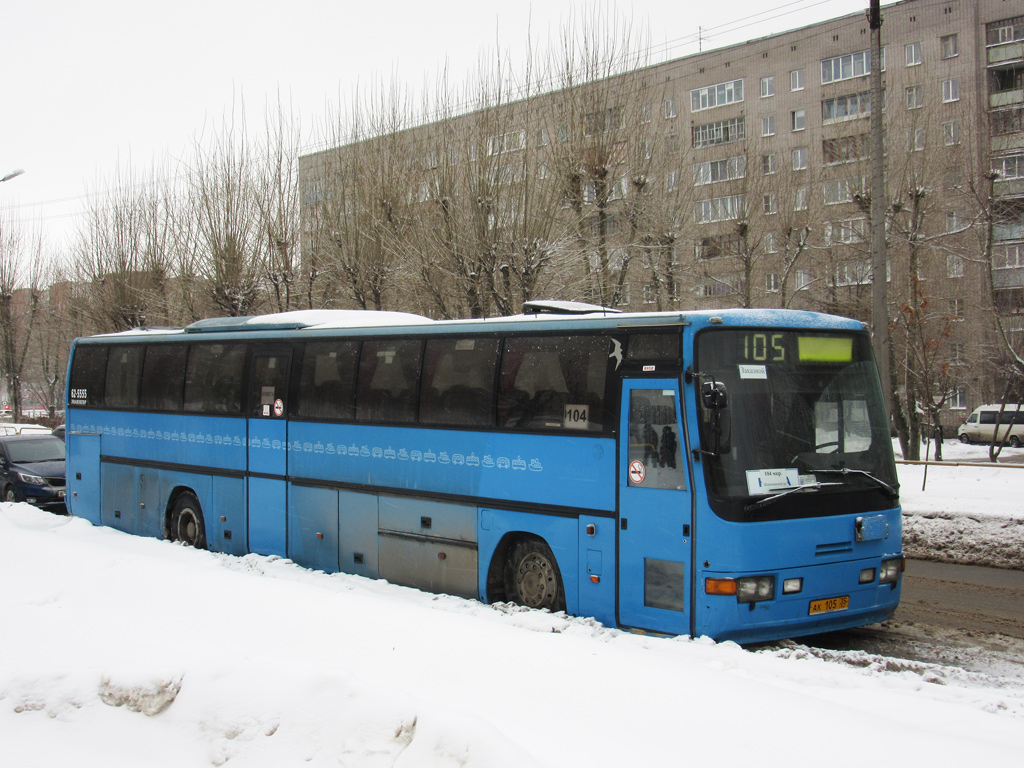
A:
<point x="890" y="570"/>
<point x="754" y="589"/>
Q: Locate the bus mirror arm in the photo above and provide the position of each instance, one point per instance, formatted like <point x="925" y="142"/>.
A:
<point x="715" y="398"/>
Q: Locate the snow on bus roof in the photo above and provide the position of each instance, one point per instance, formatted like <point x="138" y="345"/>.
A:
<point x="309" y="318"/>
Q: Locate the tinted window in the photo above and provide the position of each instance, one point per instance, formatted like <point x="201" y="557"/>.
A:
<point x="389" y="373"/>
<point x="458" y="382"/>
<point x="88" y="375"/>
<point x="124" y="366"/>
<point x="163" y="377"/>
<point x="328" y="385"/>
<point x="37" y="449"/>
<point x="655" y="347"/>
<point x="269" y="394"/>
<point x="553" y="382"/>
<point x="213" y="378"/>
<point x="988" y="417"/>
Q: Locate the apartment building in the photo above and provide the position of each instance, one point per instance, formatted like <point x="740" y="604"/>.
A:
<point x="735" y="177"/>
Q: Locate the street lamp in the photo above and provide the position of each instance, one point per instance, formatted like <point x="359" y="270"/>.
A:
<point x="13" y="175"/>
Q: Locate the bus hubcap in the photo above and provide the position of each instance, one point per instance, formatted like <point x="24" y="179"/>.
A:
<point x="536" y="581"/>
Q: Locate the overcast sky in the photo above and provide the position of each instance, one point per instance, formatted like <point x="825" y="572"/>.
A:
<point x="91" y="88"/>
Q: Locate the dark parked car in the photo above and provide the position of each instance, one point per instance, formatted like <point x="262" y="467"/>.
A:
<point x="32" y="470"/>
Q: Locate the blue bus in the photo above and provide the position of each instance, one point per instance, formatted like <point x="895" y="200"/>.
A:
<point x="726" y="474"/>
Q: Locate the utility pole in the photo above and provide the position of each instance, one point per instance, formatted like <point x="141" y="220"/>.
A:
<point x="879" y="287"/>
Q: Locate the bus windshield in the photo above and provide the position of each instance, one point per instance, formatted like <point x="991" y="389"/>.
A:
<point x="797" y="415"/>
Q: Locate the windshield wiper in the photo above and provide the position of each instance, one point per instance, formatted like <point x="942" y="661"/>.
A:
<point x="782" y="494"/>
<point x="890" y="491"/>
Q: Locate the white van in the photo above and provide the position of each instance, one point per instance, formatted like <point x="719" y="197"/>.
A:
<point x="982" y="423"/>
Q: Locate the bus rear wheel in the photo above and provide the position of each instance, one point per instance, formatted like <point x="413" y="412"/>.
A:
<point x="187" y="524"/>
<point x="532" y="577"/>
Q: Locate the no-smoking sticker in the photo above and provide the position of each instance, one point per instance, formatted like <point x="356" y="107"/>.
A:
<point x="278" y="407"/>
<point x="637" y="472"/>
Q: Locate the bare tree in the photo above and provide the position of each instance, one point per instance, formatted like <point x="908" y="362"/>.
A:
<point x="20" y="304"/>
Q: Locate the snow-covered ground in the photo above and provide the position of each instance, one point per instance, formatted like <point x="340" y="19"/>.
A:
<point x="965" y="514"/>
<point x="122" y="651"/>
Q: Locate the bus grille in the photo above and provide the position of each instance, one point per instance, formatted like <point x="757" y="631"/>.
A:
<point x="835" y="548"/>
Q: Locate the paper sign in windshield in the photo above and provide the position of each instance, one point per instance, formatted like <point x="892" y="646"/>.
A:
<point x="753" y="372"/>
<point x="761" y="482"/>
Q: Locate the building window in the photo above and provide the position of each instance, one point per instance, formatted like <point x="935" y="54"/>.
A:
<point x="847" y="67"/>
<point x="1004" y="31"/>
<point x="720" y="170"/>
<point x="802" y="279"/>
<point x="915" y="97"/>
<point x="768" y="125"/>
<point x="507" y="142"/>
<point x="650" y="294"/>
<point x="1009" y="167"/>
<point x="768" y="164"/>
<point x="716" y="95"/>
<point x="847" y="106"/>
<point x="771" y="243"/>
<point x="720" y="132"/>
<point x="956" y="309"/>
<point x="953" y="221"/>
<point x="719" y="209"/>
<point x="798" y="119"/>
<point x="954" y="265"/>
<point x="951" y="133"/>
<point x="796" y="80"/>
<point x="915" y="139"/>
<point x="913" y="54"/>
<point x="1007" y="121"/>
<point x="854" y="273"/>
<point x="842" y="190"/>
<point x="956" y="400"/>
<point x="672" y="143"/>
<point x="670" y="108"/>
<point x="845" y="149"/>
<point x="645" y="113"/>
<point x="951" y="90"/>
<point x="799" y="158"/>
<point x="767" y="86"/>
<point x="771" y="282"/>
<point x="950" y="46"/>
<point x="672" y="181"/>
<point x="770" y="204"/>
<point x="1009" y="256"/>
<point x="800" y="199"/>
<point x="845" y="232"/>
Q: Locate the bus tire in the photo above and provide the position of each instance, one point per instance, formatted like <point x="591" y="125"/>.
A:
<point x="532" y="578"/>
<point x="187" y="525"/>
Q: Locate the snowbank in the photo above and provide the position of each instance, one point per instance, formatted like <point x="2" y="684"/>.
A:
<point x="124" y="651"/>
<point x="965" y="514"/>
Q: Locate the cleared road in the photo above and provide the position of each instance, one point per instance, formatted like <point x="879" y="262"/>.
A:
<point x="967" y="598"/>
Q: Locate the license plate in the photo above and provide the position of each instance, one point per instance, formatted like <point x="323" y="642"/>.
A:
<point x="830" y="604"/>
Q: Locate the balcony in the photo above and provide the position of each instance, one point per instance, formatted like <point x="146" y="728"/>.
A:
<point x="1002" y="54"/>
<point x="1006" y="98"/>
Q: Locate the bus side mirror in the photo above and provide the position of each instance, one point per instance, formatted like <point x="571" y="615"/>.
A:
<point x="715" y="399"/>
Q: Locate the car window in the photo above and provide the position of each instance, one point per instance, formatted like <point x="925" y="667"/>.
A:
<point x="29" y="451"/>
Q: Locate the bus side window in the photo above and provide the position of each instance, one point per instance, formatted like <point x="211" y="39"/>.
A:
<point x="327" y="386"/>
<point x="89" y="375"/>
<point x="389" y="373"/>
<point x="458" y="382"/>
<point x="124" y="367"/>
<point x="163" y="377"/>
<point x="554" y="382"/>
<point x="213" y="378"/>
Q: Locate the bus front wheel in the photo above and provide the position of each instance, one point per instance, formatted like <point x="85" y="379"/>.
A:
<point x="187" y="524"/>
<point x="532" y="577"/>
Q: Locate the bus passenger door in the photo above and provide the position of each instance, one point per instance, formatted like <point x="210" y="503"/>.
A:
<point x="268" y="451"/>
<point x="655" y="506"/>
